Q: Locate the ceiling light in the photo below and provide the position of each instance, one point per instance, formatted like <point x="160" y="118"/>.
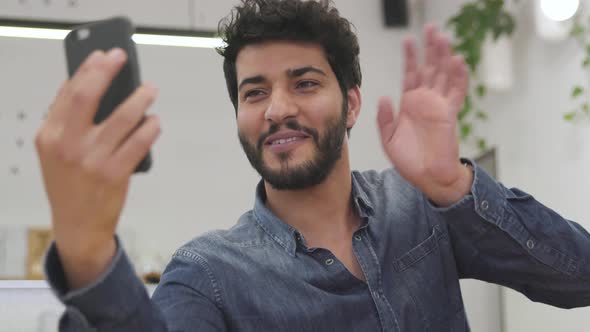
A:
<point x="560" y="10"/>
<point x="139" y="38"/>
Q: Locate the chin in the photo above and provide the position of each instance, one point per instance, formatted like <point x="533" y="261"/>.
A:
<point x="284" y="160"/>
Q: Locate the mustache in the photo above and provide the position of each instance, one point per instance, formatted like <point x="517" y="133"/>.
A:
<point x="291" y="124"/>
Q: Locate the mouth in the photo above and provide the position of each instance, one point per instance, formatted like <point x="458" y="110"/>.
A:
<point x="285" y="141"/>
<point x="285" y="137"/>
<point x="282" y="141"/>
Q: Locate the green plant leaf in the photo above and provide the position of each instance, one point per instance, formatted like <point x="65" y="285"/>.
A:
<point x="503" y="25"/>
<point x="511" y="25"/>
<point x="569" y="116"/>
<point x="467" y="105"/>
<point x="473" y="59"/>
<point x="586" y="108"/>
<point x="577" y="30"/>
<point x="476" y="20"/>
<point x="586" y="62"/>
<point x="482" y="144"/>
<point x="481" y="90"/>
<point x="466" y="129"/>
<point x="577" y="91"/>
<point x="497" y="32"/>
<point x="464" y="111"/>
<point x="481" y="115"/>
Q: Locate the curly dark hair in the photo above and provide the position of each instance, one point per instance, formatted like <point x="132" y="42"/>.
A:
<point x="312" y="21"/>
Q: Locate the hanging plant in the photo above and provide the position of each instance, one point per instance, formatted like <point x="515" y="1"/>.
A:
<point x="472" y="25"/>
<point x="580" y="32"/>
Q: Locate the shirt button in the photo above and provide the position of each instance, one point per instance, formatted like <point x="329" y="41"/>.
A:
<point x="375" y="294"/>
<point x="358" y="237"/>
<point x="485" y="205"/>
<point x="329" y="261"/>
<point x="530" y="244"/>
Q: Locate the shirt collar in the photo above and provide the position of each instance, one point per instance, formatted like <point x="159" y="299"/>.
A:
<point x="360" y="191"/>
<point x="284" y="234"/>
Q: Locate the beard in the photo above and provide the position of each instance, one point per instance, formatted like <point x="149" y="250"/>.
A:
<point x="328" y="150"/>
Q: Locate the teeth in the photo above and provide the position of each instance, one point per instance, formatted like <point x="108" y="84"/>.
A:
<point x="283" y="141"/>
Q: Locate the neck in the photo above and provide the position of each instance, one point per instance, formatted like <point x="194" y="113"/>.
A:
<point x="323" y="213"/>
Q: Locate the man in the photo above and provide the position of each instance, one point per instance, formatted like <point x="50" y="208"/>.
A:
<point x="324" y="248"/>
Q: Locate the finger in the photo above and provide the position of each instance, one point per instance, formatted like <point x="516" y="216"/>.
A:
<point x="410" y="53"/>
<point x="429" y="70"/>
<point x="135" y="148"/>
<point x="51" y="132"/>
<point x="63" y="101"/>
<point x="430" y="38"/>
<point x="386" y="120"/>
<point x="443" y="48"/>
<point x="125" y="118"/>
<point x="412" y="74"/>
<point x="437" y="58"/>
<point x="56" y="111"/>
<point x="87" y="87"/>
<point x="61" y="108"/>
<point x="443" y="65"/>
<point x="444" y="52"/>
<point x="458" y="82"/>
<point x="52" y="127"/>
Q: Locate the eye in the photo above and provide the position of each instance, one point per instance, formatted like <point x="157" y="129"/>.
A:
<point x="306" y="84"/>
<point x="253" y="94"/>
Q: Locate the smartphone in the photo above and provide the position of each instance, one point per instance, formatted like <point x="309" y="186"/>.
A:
<point x="105" y="35"/>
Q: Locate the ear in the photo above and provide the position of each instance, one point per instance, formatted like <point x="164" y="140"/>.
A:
<point x="354" y="105"/>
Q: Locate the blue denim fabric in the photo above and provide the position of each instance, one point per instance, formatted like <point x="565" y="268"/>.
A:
<point x="261" y="276"/>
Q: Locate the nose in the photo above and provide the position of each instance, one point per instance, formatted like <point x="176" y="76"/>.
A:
<point x="281" y="107"/>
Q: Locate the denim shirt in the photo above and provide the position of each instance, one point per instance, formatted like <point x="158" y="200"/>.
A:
<point x="260" y="275"/>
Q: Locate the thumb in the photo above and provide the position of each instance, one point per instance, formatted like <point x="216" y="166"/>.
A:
<point x="385" y="119"/>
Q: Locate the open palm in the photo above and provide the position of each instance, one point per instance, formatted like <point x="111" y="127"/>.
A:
<point x="421" y="140"/>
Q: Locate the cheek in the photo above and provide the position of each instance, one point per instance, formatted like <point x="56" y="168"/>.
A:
<point x="247" y="124"/>
<point x="324" y="108"/>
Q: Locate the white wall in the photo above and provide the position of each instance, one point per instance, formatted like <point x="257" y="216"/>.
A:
<point x="200" y="180"/>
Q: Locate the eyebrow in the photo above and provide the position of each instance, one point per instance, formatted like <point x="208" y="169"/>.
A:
<point x="251" y="80"/>
<point x="303" y="70"/>
<point x="290" y="73"/>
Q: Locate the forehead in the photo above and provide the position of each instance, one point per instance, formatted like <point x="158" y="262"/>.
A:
<point x="277" y="57"/>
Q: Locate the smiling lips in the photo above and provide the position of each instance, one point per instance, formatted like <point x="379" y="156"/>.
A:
<point x="285" y="140"/>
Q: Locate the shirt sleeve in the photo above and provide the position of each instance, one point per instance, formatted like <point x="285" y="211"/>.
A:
<point x="189" y="294"/>
<point x="119" y="301"/>
<point x="506" y="236"/>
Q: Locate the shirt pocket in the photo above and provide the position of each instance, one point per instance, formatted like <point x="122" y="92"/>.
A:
<point x="428" y="271"/>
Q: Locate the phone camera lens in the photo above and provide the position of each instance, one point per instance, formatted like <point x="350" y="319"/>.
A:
<point x="83" y="34"/>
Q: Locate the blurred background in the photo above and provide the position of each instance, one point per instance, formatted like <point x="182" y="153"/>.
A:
<point x="526" y="120"/>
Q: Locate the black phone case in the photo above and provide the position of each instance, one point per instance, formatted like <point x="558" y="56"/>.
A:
<point x="105" y="35"/>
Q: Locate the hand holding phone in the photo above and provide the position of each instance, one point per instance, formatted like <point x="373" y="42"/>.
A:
<point x="87" y="164"/>
<point x="105" y="35"/>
